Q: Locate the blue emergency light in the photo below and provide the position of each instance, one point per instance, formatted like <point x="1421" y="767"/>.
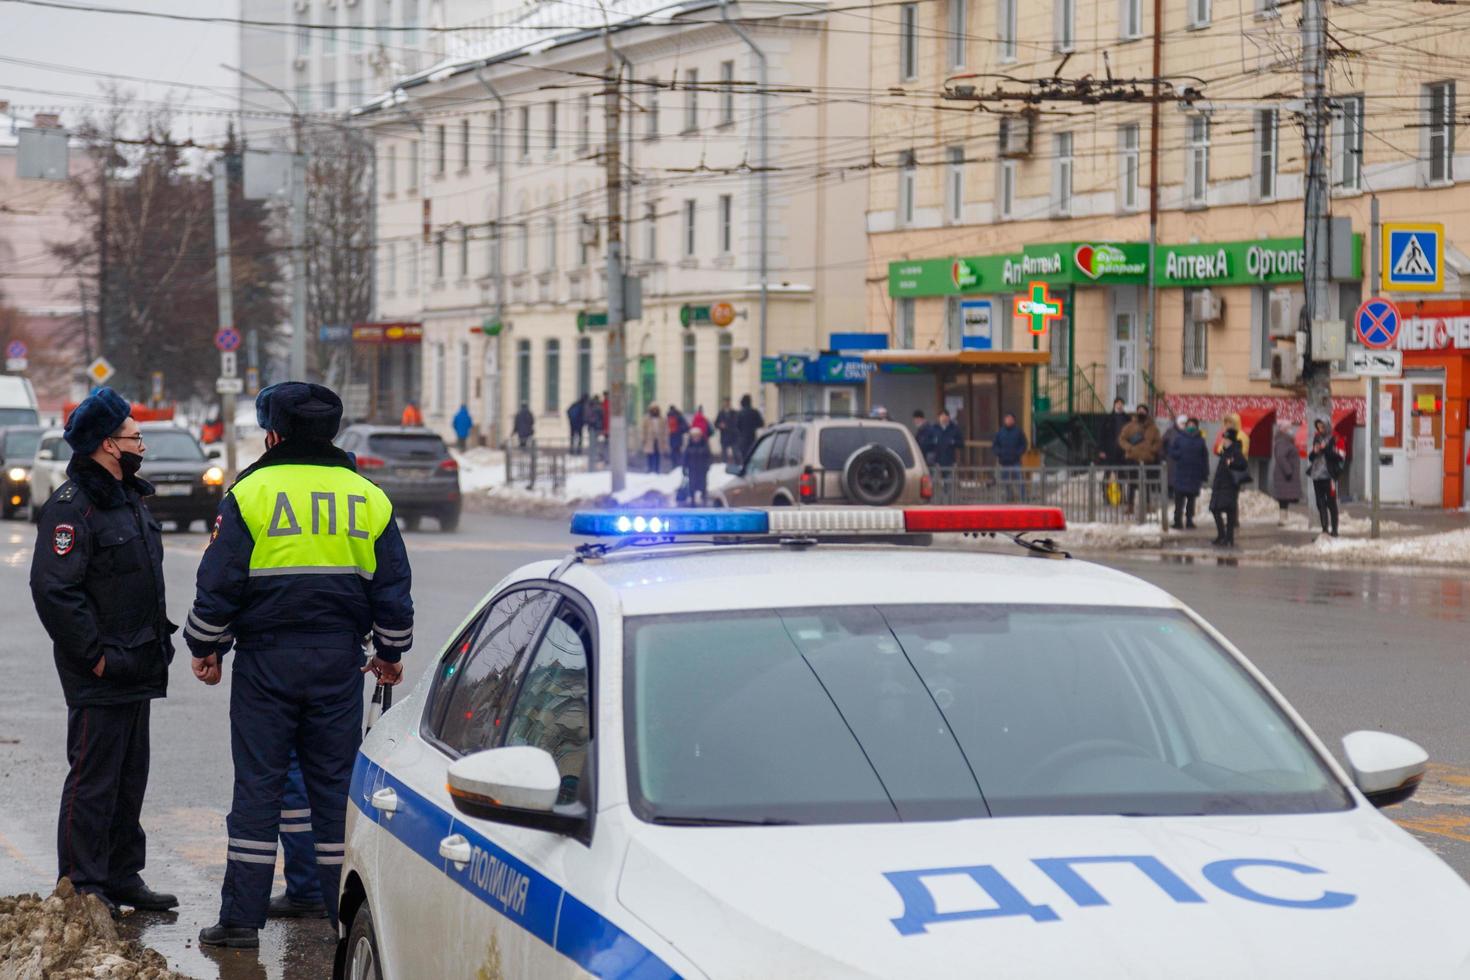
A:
<point x="664" y="523"/>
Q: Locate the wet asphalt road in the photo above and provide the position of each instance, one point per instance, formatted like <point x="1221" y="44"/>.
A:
<point x="1350" y="648"/>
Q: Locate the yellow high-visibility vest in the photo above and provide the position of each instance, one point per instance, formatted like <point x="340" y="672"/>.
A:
<point x="312" y="520"/>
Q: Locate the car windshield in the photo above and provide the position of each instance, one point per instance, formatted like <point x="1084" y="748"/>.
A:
<point x="18" y="416"/>
<point x="398" y="446"/>
<point x="172" y="445"/>
<point x="21" y="445"/>
<point x="865" y="713"/>
<point x="838" y="442"/>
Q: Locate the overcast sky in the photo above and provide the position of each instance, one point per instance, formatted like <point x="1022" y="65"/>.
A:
<point x="169" y="52"/>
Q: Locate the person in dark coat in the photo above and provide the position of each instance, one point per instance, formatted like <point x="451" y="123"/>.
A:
<point x="576" y="419"/>
<point x="725" y="427"/>
<point x="595" y="410"/>
<point x="97" y="582"/>
<point x="948" y="441"/>
<point x="925" y="434"/>
<point x="1189" y="462"/>
<point x="1110" y="451"/>
<point x="524" y="426"/>
<point x="1286" y="471"/>
<point x="748" y="422"/>
<point x="1325" y="461"/>
<point x="697" y="461"/>
<point x="678" y="428"/>
<point x="1230" y="473"/>
<point x="1009" y="446"/>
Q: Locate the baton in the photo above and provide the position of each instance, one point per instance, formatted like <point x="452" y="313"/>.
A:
<point x="382" y="701"/>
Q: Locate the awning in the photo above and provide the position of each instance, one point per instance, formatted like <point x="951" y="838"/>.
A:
<point x="1257" y="424"/>
<point x="959" y="358"/>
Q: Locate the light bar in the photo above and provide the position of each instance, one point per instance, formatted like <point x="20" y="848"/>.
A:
<point x="816" y="522"/>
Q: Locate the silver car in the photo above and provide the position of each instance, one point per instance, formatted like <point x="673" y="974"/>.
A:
<point x="868" y="462"/>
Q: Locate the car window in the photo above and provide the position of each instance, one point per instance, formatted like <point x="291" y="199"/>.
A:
<point x="18" y="416"/>
<point x="778" y="449"/>
<point x="759" y="456"/>
<point x="796" y="448"/>
<point x="881" y="713"/>
<point x="553" y="710"/>
<point x="485" y="682"/>
<point x="837" y="442"/>
<point x="447" y="669"/>
<point x="395" y="445"/>
<point x="171" y="445"/>
<point x="21" y="445"/>
<point x="54" y="444"/>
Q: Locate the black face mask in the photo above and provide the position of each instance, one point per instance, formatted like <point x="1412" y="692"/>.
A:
<point x="130" y="463"/>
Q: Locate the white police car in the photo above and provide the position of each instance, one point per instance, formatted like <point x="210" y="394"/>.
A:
<point x="779" y="753"/>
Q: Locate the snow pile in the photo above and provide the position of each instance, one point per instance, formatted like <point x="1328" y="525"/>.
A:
<point x="70" y="937"/>
<point x="480" y="468"/>
<point x="1448" y="548"/>
<point x="1109" y="537"/>
<point x="482" y="472"/>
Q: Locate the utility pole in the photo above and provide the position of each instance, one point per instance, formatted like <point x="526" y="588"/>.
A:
<point x="224" y="285"/>
<point x="1316" y="233"/>
<point x="1375" y="430"/>
<point x="298" y="261"/>
<point x="1151" y="334"/>
<point x="617" y="425"/>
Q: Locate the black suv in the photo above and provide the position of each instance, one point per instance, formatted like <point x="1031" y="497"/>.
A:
<point x="17" y="454"/>
<point x="412" y="466"/>
<point x="187" y="484"/>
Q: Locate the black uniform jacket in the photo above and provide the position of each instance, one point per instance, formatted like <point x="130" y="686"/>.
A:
<point x="97" y="581"/>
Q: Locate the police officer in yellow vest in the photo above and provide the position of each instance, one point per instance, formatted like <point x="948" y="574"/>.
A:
<point x="304" y="561"/>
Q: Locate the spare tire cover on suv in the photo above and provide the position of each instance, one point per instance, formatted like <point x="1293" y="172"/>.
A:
<point x="873" y="475"/>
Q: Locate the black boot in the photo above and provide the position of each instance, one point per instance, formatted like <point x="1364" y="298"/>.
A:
<point x="144" y="899"/>
<point x="283" y="906"/>
<point x="235" y="937"/>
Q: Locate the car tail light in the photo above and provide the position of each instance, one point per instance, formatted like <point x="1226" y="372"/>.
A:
<point x="449" y="466"/>
<point x="808" y="487"/>
<point x="370" y="463"/>
<point x="926" y="487"/>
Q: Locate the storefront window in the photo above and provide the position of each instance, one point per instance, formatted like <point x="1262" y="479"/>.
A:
<point x="905" y="324"/>
<point x="1060" y="340"/>
<point x="1196" y="337"/>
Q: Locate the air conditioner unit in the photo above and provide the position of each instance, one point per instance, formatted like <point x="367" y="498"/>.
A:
<point x="1283" y="367"/>
<point x="1281" y="314"/>
<point x="1206" y="307"/>
<point x="1015" y="135"/>
<point x="590" y="233"/>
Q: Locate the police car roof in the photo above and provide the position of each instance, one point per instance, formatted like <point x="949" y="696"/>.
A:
<point x="694" y="578"/>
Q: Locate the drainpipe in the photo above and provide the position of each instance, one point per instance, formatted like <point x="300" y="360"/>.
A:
<point x="763" y="159"/>
<point x="1153" y="204"/>
<point x="492" y="377"/>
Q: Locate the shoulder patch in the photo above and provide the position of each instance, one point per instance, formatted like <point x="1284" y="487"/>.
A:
<point x="63" y="539"/>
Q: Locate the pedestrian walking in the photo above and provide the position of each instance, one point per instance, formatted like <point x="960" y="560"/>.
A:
<point x="1286" y="471"/>
<point x="1231" y="473"/>
<point x="97" y="582"/>
<point x="1189" y="462"/>
<point x="576" y="421"/>
<point x="1110" y="450"/>
<point x="655" y="439"/>
<point x="948" y="441"/>
<point x="411" y="415"/>
<point x="748" y="422"/>
<point x="678" y="427"/>
<point x="1142" y="446"/>
<point x="1324" y="465"/>
<point x="725" y="427"/>
<point x="926" y="435"/>
<point x="701" y="422"/>
<point x="304" y="561"/>
<point x="463" y="426"/>
<point x="1174" y="431"/>
<point x="697" y="461"/>
<point x="524" y="425"/>
<point x="596" y="410"/>
<point x="1009" y="445"/>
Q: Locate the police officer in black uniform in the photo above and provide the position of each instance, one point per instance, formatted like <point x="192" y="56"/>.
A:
<point x="97" y="581"/>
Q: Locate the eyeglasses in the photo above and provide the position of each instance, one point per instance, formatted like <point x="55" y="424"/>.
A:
<point x="138" y="437"/>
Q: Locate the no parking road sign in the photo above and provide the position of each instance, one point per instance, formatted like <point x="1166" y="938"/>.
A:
<point x="1377" y="323"/>
<point x="16" y="348"/>
<point x="227" y="339"/>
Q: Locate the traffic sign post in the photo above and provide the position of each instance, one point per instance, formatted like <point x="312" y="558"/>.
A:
<point x="16" y="349"/>
<point x="1413" y="257"/>
<point x="1367" y="363"/>
<point x="1377" y="323"/>
<point x="16" y="364"/>
<point x="100" y="370"/>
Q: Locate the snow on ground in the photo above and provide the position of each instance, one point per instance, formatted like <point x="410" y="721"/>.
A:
<point x="483" y="470"/>
<point x="1448" y="548"/>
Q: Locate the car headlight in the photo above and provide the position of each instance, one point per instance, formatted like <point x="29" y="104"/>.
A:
<point x="214" y="476"/>
<point x="18" y="475"/>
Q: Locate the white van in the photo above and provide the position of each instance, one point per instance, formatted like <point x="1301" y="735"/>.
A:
<point x="17" y="401"/>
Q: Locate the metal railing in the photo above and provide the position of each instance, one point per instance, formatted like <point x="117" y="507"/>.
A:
<point x="536" y="462"/>
<point x="1090" y="494"/>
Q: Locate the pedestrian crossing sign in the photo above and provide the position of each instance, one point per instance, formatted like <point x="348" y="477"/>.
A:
<point x="1413" y="257"/>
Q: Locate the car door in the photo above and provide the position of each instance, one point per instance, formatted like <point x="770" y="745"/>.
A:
<point x="518" y="875"/>
<point x="470" y="698"/>
<point x="744" y="490"/>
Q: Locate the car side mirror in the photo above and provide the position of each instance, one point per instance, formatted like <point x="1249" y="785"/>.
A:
<point x="516" y="784"/>
<point x="215" y="452"/>
<point x="45" y="454"/>
<point x="735" y="469"/>
<point x="1386" y="768"/>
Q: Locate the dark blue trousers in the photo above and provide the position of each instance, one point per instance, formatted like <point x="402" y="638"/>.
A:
<point x="282" y="698"/>
<point x="100" y="845"/>
<point x="302" y="884"/>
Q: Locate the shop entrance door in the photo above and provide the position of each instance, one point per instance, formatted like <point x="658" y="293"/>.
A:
<point x="1412" y="414"/>
<point x="1123" y="380"/>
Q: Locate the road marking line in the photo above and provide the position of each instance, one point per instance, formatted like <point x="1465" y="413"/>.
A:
<point x="1446" y="825"/>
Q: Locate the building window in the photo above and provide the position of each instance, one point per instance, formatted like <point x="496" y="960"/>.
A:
<point x="523" y="372"/>
<point x="303" y="36"/>
<point x="726" y="366"/>
<point x="411" y="251"/>
<point x="550" y="244"/>
<point x="390" y="169"/>
<point x="586" y="239"/>
<point x="1128" y="166"/>
<point x="650" y="111"/>
<point x="552" y="404"/>
<point x="1440" y="130"/>
<point x="726" y="223"/>
<point x="1006" y="28"/>
<point x="354" y="91"/>
<point x="1199" y="13"/>
<point x="329" y="95"/>
<point x="727" y="93"/>
<point x="1006" y="192"/>
<point x="439" y="372"/>
<point x="525" y="133"/>
<point x="492" y="249"/>
<point x="908" y="42"/>
<point x="464" y="251"/>
<point x="439" y="257"/>
<point x="1268" y="8"/>
<point x="584" y="366"/>
<point x="390" y="268"/>
<point x="523" y="247"/>
<point x="908" y="180"/>
<point x="904" y="328"/>
<point x="954" y="184"/>
<point x="492" y="140"/>
<point x="1265" y="154"/>
<point x="329" y="36"/>
<point x="689" y="237"/>
<point x="1066" y="32"/>
<point x="959" y="15"/>
<point x="690" y="364"/>
<point x="1198" y="178"/>
<point x="691" y="99"/>
<point x="1062" y="191"/>
<point x="1196" y="338"/>
<point x="464" y="372"/>
<point x="551" y="126"/>
<point x="1350" y="143"/>
<point x="1058" y="343"/>
<point x="584" y="124"/>
<point x="650" y="232"/>
<point x="464" y="144"/>
<point x="1130" y="19"/>
<point x="441" y="150"/>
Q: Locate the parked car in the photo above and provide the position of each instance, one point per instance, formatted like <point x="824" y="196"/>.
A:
<point x="17" y="453"/>
<point x="187" y="484"/>
<point x="829" y="461"/>
<point x="48" y="471"/>
<point x="412" y="466"/>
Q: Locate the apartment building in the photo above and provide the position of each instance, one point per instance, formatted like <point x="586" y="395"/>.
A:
<point x="967" y="208"/>
<point x="492" y="205"/>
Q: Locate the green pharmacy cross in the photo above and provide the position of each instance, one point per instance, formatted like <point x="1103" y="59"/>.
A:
<point x="1039" y="308"/>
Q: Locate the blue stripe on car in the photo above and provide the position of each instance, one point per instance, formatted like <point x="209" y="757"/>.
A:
<point x="495" y="876"/>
